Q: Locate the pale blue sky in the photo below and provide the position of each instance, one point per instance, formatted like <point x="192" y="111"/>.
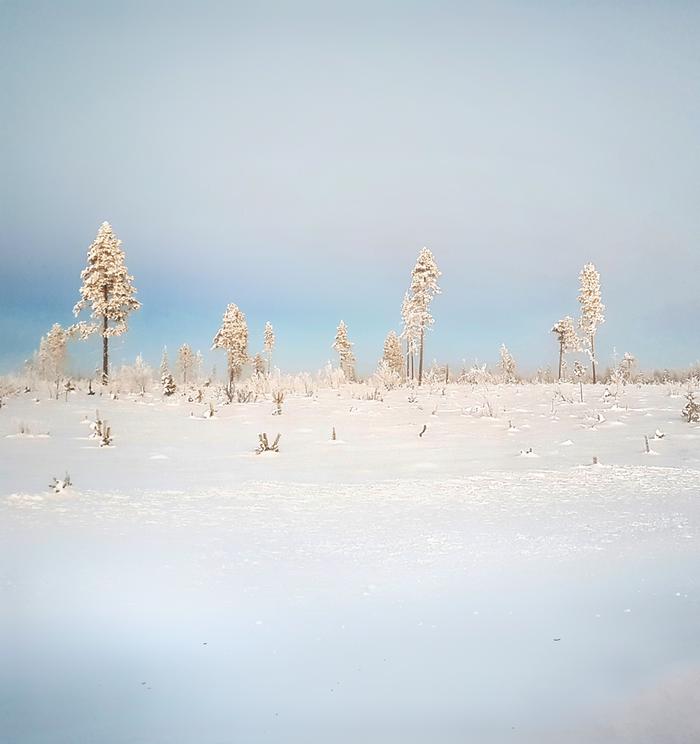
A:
<point x="294" y="157"/>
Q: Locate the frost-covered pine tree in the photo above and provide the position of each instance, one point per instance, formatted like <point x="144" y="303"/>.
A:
<point x="393" y="356"/>
<point x="387" y="376"/>
<point x="424" y="286"/>
<point x="627" y="366"/>
<point x="343" y="346"/>
<point x="566" y="336"/>
<point x="107" y="289"/>
<point x="259" y="365"/>
<point x="168" y="383"/>
<point x="140" y="375"/>
<point x="164" y="363"/>
<point x="186" y="362"/>
<point x="507" y="365"/>
<point x="198" y="366"/>
<point x="53" y="354"/>
<point x="269" y="344"/>
<point x="592" y="309"/>
<point x="233" y="338"/>
<point x="691" y="411"/>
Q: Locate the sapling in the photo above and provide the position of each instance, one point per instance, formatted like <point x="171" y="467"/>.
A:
<point x="265" y="446"/>
<point x="68" y="387"/>
<point x="278" y="399"/>
<point x="507" y="365"/>
<point x="579" y="372"/>
<point x="343" y="346"/>
<point x="60" y="485"/>
<point x="691" y="411"/>
<point x="169" y="385"/>
<point x="106" y="438"/>
<point x="96" y="425"/>
<point x="244" y="395"/>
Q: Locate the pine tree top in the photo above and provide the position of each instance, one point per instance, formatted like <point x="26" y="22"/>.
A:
<point x="268" y="337"/>
<point x="425" y="275"/>
<point x="592" y="307"/>
<point x="233" y="337"/>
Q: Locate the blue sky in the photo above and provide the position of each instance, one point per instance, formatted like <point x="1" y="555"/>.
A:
<point x="294" y="158"/>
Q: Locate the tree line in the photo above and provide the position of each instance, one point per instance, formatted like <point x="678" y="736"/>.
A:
<point x="108" y="292"/>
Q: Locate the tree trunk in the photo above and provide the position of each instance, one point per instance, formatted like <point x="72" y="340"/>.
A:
<point x="420" y="359"/>
<point x="105" y="352"/>
<point x="408" y="359"/>
<point x="593" y="356"/>
<point x="561" y="356"/>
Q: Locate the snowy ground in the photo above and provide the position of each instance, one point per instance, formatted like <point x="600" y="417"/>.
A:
<point x="383" y="588"/>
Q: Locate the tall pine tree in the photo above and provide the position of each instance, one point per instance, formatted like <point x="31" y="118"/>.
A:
<point x="393" y="355"/>
<point x="567" y="338"/>
<point x="343" y="346"/>
<point x="107" y="289"/>
<point x="424" y="286"/>
<point x="269" y="344"/>
<point x="186" y="362"/>
<point x="233" y="338"/>
<point x="592" y="309"/>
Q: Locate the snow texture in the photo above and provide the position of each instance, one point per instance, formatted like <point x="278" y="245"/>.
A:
<point x="395" y="588"/>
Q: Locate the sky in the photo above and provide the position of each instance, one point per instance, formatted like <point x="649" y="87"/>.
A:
<point x="294" y="158"/>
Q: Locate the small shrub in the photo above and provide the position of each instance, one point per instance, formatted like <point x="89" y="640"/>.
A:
<point x="265" y="446"/>
<point x="691" y="411"/>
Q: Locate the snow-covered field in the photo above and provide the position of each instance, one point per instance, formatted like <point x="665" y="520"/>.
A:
<point x="483" y="582"/>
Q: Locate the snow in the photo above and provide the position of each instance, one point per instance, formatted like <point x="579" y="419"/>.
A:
<point x="396" y="588"/>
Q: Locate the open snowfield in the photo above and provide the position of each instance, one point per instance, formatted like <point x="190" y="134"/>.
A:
<point x="384" y="587"/>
